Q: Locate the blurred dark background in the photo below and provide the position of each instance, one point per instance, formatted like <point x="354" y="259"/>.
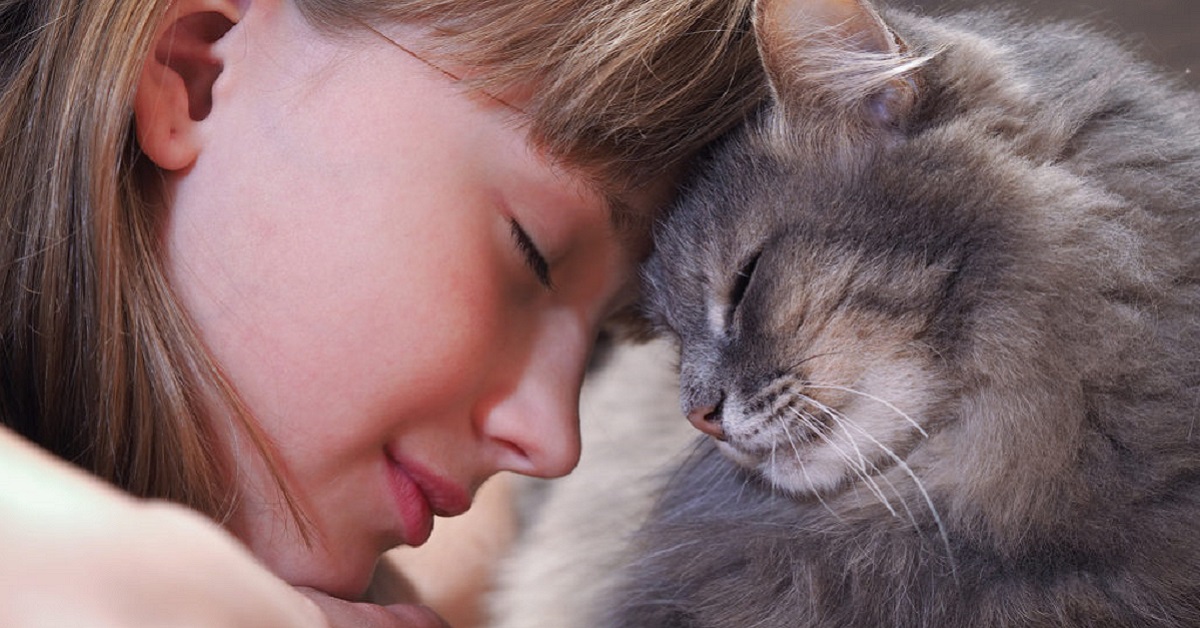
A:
<point x="1166" y="32"/>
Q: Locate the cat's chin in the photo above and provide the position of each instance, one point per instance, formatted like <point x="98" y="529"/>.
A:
<point x="817" y="474"/>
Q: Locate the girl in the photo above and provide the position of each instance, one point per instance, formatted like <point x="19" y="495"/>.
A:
<point x="316" y="269"/>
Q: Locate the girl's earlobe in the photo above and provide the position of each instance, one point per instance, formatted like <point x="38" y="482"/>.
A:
<point x="175" y="89"/>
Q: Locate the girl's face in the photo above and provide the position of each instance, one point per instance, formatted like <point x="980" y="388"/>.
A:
<point x="402" y="291"/>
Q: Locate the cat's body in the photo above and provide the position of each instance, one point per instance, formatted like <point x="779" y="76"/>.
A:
<point x="948" y="327"/>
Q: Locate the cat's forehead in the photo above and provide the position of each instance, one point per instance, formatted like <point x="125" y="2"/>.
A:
<point x="739" y="196"/>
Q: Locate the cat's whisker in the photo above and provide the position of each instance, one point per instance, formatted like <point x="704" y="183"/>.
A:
<point x="861" y="467"/>
<point x="900" y="496"/>
<point x="858" y="462"/>
<point x="805" y="360"/>
<point x="774" y="464"/>
<point x="920" y="486"/>
<point x="803" y="467"/>
<point x="889" y="405"/>
<point x="843" y="420"/>
<point x="862" y="461"/>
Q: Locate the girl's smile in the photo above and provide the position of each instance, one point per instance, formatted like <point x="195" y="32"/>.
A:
<point x="419" y="496"/>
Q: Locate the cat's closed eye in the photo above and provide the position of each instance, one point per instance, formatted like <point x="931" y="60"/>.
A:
<point x="741" y="282"/>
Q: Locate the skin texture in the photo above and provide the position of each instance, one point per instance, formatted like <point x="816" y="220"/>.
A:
<point x="341" y="229"/>
<point x="163" y="565"/>
<point x="473" y="543"/>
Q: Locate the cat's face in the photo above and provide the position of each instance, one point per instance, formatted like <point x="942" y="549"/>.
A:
<point x="820" y="266"/>
<point x="833" y="269"/>
<point x="801" y="342"/>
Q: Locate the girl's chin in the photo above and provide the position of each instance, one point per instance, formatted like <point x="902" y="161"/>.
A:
<point x="346" y="577"/>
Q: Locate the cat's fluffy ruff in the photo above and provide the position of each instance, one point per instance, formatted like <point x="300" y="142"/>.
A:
<point x="1009" y="256"/>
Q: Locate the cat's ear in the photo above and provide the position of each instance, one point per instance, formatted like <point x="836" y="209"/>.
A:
<point x="836" y="60"/>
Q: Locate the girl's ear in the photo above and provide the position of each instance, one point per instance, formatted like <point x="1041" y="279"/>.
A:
<point x="835" y="57"/>
<point x="175" y="89"/>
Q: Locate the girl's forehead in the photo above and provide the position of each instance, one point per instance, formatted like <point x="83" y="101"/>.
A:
<point x="633" y="206"/>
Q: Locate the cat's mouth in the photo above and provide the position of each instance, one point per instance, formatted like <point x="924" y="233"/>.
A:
<point x="802" y="446"/>
<point x="757" y="428"/>
<point x="780" y="441"/>
<point x="798" y="468"/>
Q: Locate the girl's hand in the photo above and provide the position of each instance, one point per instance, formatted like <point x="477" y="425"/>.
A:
<point x="77" y="552"/>
<point x="343" y="614"/>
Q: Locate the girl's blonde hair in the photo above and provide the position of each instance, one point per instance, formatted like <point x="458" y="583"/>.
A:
<point x="97" y="361"/>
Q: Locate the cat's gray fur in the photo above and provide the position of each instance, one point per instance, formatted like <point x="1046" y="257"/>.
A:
<point x="961" y="382"/>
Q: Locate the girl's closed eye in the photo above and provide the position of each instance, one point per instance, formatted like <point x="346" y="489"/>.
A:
<point x="533" y="257"/>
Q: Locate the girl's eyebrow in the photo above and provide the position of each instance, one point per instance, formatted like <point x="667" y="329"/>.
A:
<point x="447" y="73"/>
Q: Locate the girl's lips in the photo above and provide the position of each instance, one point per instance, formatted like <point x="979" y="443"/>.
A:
<point x="420" y="494"/>
<point x="416" y="514"/>
<point x="446" y="498"/>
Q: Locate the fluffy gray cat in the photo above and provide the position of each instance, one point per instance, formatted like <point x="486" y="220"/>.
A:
<point x="939" y="310"/>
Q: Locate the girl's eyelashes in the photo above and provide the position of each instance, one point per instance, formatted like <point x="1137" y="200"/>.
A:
<point x="533" y="257"/>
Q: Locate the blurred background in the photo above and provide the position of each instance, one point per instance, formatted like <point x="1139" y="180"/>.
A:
<point x="1166" y="32"/>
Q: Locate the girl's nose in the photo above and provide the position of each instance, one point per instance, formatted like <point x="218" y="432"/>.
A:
<point x="537" y="419"/>
<point x="539" y="430"/>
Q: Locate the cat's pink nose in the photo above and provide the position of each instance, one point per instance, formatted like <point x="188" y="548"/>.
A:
<point x="708" y="420"/>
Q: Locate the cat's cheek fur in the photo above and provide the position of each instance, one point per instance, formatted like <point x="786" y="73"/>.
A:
<point x="874" y="431"/>
<point x="804" y="438"/>
<point x="896" y="404"/>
